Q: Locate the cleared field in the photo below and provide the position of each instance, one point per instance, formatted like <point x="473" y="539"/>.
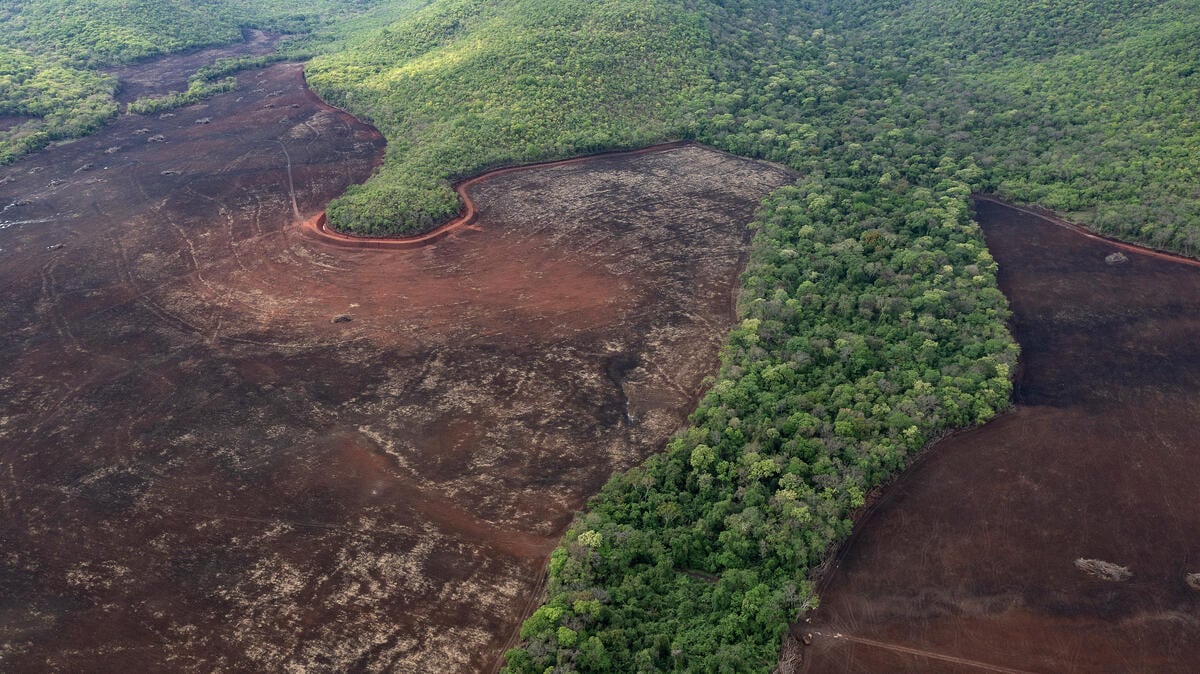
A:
<point x="225" y="445"/>
<point x="1061" y="536"/>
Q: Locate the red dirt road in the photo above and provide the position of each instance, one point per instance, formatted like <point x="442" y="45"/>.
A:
<point x="316" y="227"/>
<point x="967" y="562"/>
<point x="201" y="470"/>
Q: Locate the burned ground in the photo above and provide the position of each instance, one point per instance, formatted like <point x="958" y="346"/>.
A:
<point x="224" y="445"/>
<point x="170" y="73"/>
<point x="983" y="556"/>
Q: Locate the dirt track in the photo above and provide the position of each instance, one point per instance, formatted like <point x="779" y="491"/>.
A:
<point x="317" y="227"/>
<point x="970" y="554"/>
<point x="200" y="469"/>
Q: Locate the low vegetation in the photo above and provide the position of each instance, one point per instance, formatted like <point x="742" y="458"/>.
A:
<point x="198" y="90"/>
<point x="870" y="318"/>
<point x="54" y="55"/>
<point x="47" y="101"/>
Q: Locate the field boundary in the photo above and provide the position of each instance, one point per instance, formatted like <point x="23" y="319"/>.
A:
<point x="1054" y="218"/>
<point x="317" y="226"/>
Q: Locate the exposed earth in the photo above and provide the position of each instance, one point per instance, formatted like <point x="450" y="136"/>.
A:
<point x="227" y="446"/>
<point x="159" y="76"/>
<point x="1062" y="536"/>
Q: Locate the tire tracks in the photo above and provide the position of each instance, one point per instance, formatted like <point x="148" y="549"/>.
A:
<point x="920" y="653"/>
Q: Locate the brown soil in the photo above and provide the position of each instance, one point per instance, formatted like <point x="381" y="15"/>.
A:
<point x="317" y="227"/>
<point x="200" y="470"/>
<point x="8" y="122"/>
<point x="967" y="563"/>
<point x="170" y="73"/>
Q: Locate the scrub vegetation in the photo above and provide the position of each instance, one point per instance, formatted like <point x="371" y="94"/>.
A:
<point x="54" y="55"/>
<point x="465" y="85"/>
<point x="870" y="318"/>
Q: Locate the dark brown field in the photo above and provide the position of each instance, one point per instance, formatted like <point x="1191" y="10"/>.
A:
<point x="170" y="73"/>
<point x="226" y="446"/>
<point x="968" y="562"/>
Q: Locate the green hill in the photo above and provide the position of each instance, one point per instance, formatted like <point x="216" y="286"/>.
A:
<point x="871" y="321"/>
<point x="465" y="85"/>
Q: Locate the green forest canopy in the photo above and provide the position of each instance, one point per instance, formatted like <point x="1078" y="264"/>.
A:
<point x="464" y="85"/>
<point x="870" y="318"/>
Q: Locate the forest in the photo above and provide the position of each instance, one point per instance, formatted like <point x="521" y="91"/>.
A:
<point x="870" y="320"/>
<point x="1087" y="108"/>
<point x="466" y="85"/>
<point x="56" y="56"/>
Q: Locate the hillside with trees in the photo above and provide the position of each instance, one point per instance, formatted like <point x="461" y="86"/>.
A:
<point x="1087" y="108"/>
<point x="56" y="56"/>
<point x="870" y="320"/>
<point x="466" y="85"/>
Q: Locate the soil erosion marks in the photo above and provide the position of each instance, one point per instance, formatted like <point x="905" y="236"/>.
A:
<point x="1060" y="537"/>
<point x="224" y="446"/>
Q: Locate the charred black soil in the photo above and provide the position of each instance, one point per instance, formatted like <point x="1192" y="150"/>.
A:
<point x="226" y="446"/>
<point x="170" y="73"/>
<point x="977" y="558"/>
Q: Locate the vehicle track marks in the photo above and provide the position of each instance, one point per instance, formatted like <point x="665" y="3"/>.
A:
<point x="896" y="648"/>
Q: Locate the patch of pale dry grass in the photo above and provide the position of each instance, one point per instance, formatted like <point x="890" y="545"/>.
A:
<point x="1103" y="570"/>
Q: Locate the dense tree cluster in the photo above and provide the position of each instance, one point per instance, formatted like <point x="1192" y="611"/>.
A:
<point x="870" y="318"/>
<point x="871" y="324"/>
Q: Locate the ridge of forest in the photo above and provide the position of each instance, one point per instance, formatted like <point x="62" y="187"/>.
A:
<point x="870" y="318"/>
<point x="462" y="86"/>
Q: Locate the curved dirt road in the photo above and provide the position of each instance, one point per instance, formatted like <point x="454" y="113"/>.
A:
<point x="317" y="227"/>
<point x="226" y="446"/>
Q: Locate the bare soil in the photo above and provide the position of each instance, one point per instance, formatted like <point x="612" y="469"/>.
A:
<point x="8" y="122"/>
<point x="170" y="73"/>
<point x="318" y="227"/>
<point x="201" y="469"/>
<point x="968" y="561"/>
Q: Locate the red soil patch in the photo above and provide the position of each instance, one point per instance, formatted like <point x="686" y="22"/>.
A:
<point x="199" y="471"/>
<point x="317" y="225"/>
<point x="972" y="553"/>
